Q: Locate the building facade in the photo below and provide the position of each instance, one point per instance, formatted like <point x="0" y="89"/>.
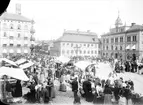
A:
<point x="123" y="42"/>
<point x="76" y="43"/>
<point x="15" y="33"/>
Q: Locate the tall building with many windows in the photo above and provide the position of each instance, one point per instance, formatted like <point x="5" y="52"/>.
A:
<point x="123" y="41"/>
<point x="15" y="33"/>
<point x="76" y="43"/>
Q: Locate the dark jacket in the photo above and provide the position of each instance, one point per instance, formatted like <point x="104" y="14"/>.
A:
<point x="74" y="86"/>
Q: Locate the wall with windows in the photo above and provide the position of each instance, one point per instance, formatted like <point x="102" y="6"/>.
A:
<point x="15" y="36"/>
<point x="79" y="49"/>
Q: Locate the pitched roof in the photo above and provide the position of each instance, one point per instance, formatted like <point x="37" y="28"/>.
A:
<point x="78" y="38"/>
<point x="16" y="17"/>
<point x="135" y="28"/>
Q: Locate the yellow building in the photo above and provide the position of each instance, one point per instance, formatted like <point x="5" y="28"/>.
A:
<point x="76" y="43"/>
<point x="15" y="33"/>
<point x="123" y="41"/>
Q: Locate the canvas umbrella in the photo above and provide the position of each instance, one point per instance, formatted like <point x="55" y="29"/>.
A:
<point x="82" y="64"/>
<point x="26" y="65"/>
<point x="8" y="61"/>
<point x="20" y="61"/>
<point x="14" y="72"/>
<point x="63" y="59"/>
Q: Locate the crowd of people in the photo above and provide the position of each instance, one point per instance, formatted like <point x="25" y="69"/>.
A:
<point x="93" y="89"/>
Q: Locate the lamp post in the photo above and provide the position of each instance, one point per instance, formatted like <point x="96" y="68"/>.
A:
<point x="32" y="31"/>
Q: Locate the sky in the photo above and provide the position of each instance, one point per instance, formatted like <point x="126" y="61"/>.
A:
<point x="53" y="16"/>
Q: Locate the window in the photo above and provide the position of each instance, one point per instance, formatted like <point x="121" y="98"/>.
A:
<point x="134" y="38"/>
<point x="116" y="48"/>
<point x="67" y="43"/>
<point x="91" y="44"/>
<point x="107" y="40"/>
<point x="84" y="44"/>
<point x="4" y="45"/>
<point x="19" y="27"/>
<point x="103" y="40"/>
<point x="63" y="44"/>
<point x="91" y="52"/>
<point x="88" y="45"/>
<point x="106" y="47"/>
<point x="120" y="47"/>
<point x="88" y="52"/>
<point x="116" y="40"/>
<point x="84" y="52"/>
<point x="80" y="52"/>
<point x="112" y="40"/>
<point x="11" y="37"/>
<point x="11" y="26"/>
<point x="18" y="35"/>
<point x="95" y="52"/>
<point x="112" y="47"/>
<point x="11" y="45"/>
<point x="25" y="38"/>
<point x="128" y="39"/>
<point x="121" y="39"/>
<point x="71" y="44"/>
<point x="18" y="45"/>
<point x="4" y="34"/>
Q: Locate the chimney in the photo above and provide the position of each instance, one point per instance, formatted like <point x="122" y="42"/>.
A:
<point x="18" y="9"/>
<point x="133" y="24"/>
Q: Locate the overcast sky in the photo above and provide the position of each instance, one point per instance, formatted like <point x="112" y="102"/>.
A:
<point x="53" y="16"/>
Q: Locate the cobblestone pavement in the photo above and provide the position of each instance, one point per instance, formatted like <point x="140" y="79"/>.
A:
<point x="61" y="97"/>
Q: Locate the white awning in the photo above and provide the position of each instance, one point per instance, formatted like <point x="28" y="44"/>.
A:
<point x="4" y="51"/>
<point x="25" y="51"/>
<point x="133" y="47"/>
<point x="128" y="47"/>
<point x="18" y="51"/>
<point x="11" y="51"/>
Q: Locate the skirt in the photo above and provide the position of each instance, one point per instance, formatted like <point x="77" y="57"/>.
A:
<point x="122" y="101"/>
<point x="63" y="88"/>
<point x="107" y="99"/>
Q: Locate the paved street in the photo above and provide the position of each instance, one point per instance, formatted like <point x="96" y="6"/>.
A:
<point x="61" y="97"/>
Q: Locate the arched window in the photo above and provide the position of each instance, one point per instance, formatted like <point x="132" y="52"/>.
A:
<point x="19" y="27"/>
<point x="11" y="26"/>
<point x="4" y="25"/>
